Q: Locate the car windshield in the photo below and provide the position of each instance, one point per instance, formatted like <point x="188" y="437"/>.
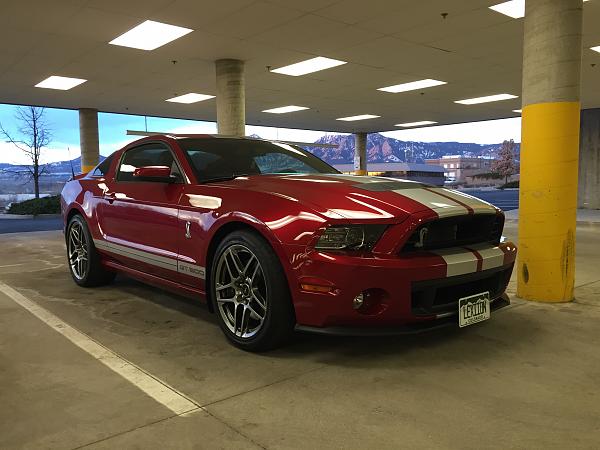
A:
<point x="223" y="158"/>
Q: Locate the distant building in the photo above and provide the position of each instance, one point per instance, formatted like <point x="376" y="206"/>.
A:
<point x="457" y="168"/>
<point x="424" y="173"/>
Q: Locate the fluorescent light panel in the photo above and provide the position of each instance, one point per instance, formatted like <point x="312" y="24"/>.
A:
<point x="309" y="66"/>
<point x="285" y="109"/>
<point x="192" y="97"/>
<point x="512" y="8"/>
<point x="486" y="99"/>
<point x="61" y="83"/>
<point x="360" y="117"/>
<point x="415" y="124"/>
<point x="596" y="49"/>
<point x="413" y="85"/>
<point x="518" y="111"/>
<point x="150" y="35"/>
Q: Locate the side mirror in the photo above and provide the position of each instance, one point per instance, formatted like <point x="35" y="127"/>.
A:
<point x="158" y="174"/>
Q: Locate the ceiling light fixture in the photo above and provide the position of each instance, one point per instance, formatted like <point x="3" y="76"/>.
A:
<point x="360" y="117"/>
<point x="192" y="97"/>
<point x="415" y="124"/>
<point x="512" y="8"/>
<point x="285" y="109"/>
<point x="413" y="85"/>
<point x="61" y="83"/>
<point x="518" y="111"/>
<point x="150" y="35"/>
<point x="486" y="99"/>
<point x="309" y="66"/>
<point x="596" y="49"/>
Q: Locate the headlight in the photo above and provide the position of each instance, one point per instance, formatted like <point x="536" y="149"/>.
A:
<point x="350" y="237"/>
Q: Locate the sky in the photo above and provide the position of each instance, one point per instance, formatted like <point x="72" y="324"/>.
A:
<point x="64" y="125"/>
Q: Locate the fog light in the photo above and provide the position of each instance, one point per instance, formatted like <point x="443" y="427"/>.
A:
<point x="358" y="301"/>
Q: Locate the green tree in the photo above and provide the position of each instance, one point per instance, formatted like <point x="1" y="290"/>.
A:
<point x="505" y="165"/>
<point x="35" y="135"/>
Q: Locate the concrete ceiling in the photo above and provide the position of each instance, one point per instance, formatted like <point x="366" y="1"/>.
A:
<point x="476" y="50"/>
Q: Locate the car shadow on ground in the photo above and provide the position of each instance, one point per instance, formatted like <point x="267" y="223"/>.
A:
<point x="506" y="329"/>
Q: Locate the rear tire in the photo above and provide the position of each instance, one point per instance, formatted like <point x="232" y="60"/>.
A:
<point x="82" y="257"/>
<point x="250" y="293"/>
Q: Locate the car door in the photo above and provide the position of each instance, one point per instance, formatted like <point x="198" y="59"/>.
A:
<point x="138" y="217"/>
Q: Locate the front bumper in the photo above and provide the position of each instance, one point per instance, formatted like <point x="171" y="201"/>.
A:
<point x="414" y="291"/>
<point x="406" y="329"/>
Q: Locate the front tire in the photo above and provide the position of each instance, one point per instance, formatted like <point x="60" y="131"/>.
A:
<point x="82" y="256"/>
<point x="250" y="293"/>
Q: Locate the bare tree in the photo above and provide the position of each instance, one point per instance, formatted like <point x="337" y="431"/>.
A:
<point x="505" y="164"/>
<point x="35" y="135"/>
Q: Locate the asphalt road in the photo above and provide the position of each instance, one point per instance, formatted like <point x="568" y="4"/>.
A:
<point x="25" y="225"/>
<point x="506" y="200"/>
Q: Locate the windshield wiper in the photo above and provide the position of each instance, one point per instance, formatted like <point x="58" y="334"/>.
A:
<point x="223" y="178"/>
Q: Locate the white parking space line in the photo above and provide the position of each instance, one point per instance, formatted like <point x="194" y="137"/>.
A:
<point x="152" y="386"/>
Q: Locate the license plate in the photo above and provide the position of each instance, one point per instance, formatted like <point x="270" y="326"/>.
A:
<point x="473" y="309"/>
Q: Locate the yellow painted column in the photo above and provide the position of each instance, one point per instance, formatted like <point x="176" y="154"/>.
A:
<point x="360" y="153"/>
<point x="549" y="150"/>
<point x="88" y="139"/>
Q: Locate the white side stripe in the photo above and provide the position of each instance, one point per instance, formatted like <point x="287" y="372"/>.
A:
<point x="149" y="384"/>
<point x="152" y="259"/>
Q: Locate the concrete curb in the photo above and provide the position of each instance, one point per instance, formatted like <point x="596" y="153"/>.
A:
<point x="28" y="216"/>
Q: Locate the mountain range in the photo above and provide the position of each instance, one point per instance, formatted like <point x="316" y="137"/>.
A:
<point x="382" y="149"/>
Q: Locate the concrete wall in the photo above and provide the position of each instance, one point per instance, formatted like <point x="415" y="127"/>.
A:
<point x="589" y="159"/>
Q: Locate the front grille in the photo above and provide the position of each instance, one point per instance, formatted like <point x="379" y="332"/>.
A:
<point x="440" y="296"/>
<point x="455" y="232"/>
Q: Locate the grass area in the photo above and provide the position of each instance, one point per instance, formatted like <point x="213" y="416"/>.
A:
<point x="35" y="206"/>
<point x="488" y="176"/>
<point x="510" y="184"/>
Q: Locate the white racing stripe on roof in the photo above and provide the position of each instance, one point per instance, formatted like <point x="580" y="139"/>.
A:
<point x="458" y="261"/>
<point x="478" y="206"/>
<point x="492" y="256"/>
<point x="443" y="206"/>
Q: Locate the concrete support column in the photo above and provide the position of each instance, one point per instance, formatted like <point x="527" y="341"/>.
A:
<point x="550" y="148"/>
<point x="360" y="153"/>
<point x="88" y="138"/>
<point x="231" y="97"/>
<point x="589" y="159"/>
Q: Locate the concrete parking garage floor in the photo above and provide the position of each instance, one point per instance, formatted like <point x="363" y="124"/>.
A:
<point x="528" y="378"/>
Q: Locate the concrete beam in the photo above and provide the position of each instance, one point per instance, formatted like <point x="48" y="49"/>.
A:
<point x="589" y="159"/>
<point x="360" y="153"/>
<point x="231" y="97"/>
<point x="88" y="138"/>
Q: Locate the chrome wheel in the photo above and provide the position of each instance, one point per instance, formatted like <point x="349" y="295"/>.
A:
<point x="241" y="291"/>
<point x="77" y="250"/>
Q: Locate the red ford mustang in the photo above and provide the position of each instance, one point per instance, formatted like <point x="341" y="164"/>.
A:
<point x="274" y="239"/>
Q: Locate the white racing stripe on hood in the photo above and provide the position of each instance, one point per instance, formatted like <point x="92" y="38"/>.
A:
<point x="443" y="206"/>
<point x="478" y="206"/>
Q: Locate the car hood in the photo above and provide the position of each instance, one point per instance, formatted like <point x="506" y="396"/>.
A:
<point x="339" y="196"/>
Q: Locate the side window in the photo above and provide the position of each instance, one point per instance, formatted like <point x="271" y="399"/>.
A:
<point x="145" y="155"/>
<point x="102" y="169"/>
